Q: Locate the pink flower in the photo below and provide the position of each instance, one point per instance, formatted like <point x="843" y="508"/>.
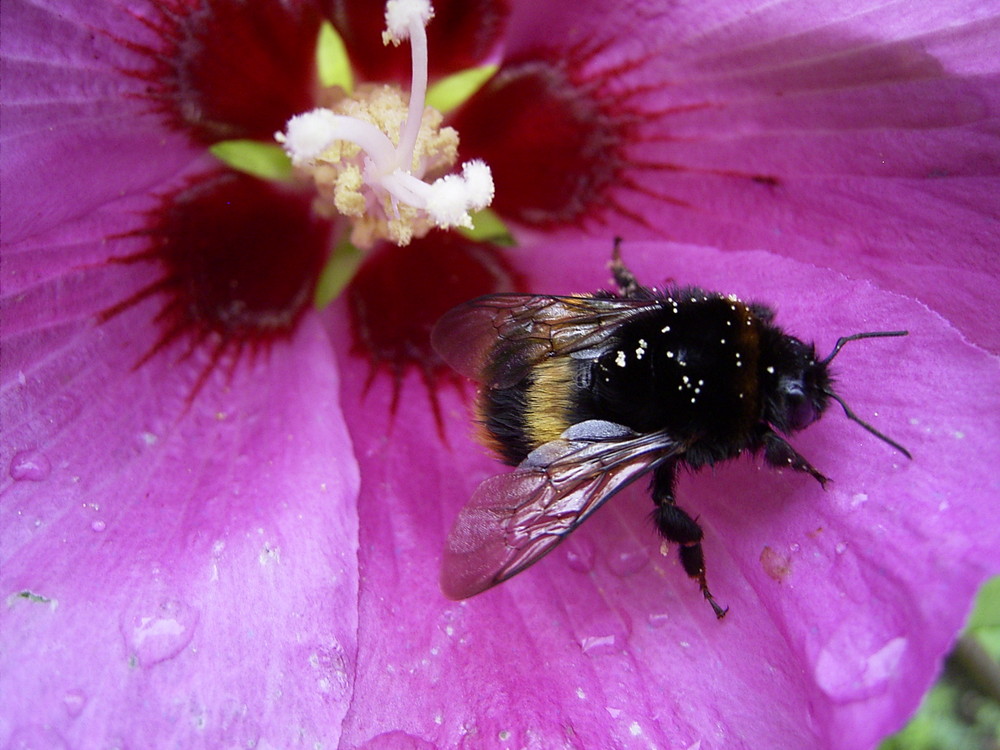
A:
<point x="223" y="509"/>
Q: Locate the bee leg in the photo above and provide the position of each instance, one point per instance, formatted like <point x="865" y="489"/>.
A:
<point x="678" y="527"/>
<point x="628" y="285"/>
<point x="778" y="452"/>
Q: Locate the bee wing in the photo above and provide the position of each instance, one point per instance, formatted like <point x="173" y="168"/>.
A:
<point x="498" y="338"/>
<point x="515" y="519"/>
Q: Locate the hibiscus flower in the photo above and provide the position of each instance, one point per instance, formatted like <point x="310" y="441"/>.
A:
<point x="223" y="509"/>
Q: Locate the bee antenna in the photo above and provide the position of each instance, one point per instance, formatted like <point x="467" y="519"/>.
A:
<point x="855" y="418"/>
<point x="854" y="337"/>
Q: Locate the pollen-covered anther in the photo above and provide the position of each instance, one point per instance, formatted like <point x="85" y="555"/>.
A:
<point x="383" y="161"/>
<point x="307" y="135"/>
<point x="400" y="15"/>
<point x="452" y="197"/>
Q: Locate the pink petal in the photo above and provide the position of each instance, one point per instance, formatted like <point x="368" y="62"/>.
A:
<point x="842" y="602"/>
<point x="178" y="568"/>
<point x="858" y="136"/>
<point x="76" y="129"/>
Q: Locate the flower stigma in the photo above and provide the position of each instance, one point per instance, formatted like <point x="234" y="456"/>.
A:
<point x="383" y="162"/>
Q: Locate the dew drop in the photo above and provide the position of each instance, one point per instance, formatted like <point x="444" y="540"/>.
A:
<point x="608" y="634"/>
<point x="30" y="465"/>
<point x="397" y="740"/>
<point x="156" y="633"/>
<point x="98" y="526"/>
<point x="74" y="700"/>
<point x="627" y="560"/>
<point x="847" y="675"/>
<point x="657" y="619"/>
<point x="579" y="552"/>
<point x="599" y="644"/>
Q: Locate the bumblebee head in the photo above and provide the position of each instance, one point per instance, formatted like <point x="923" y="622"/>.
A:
<point x="798" y="386"/>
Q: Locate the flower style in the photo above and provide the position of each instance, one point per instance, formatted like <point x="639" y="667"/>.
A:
<point x="221" y="525"/>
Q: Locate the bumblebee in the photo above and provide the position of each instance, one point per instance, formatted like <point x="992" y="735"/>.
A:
<point x="586" y="394"/>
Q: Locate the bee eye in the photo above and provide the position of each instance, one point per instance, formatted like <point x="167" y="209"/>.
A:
<point x="801" y="414"/>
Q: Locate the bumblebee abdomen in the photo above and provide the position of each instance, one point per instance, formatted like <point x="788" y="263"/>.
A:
<point x="501" y="416"/>
<point x="537" y="410"/>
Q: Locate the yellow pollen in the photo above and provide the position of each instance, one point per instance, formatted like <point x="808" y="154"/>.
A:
<point x="383" y="161"/>
<point x="338" y="172"/>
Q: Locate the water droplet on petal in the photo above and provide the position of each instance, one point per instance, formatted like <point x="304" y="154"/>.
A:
<point x="579" y="552"/>
<point x="98" y="526"/>
<point x="600" y="644"/>
<point x="882" y="665"/>
<point x="657" y="619"/>
<point x="156" y="633"/>
<point x="74" y="700"/>
<point x="30" y="465"/>
<point x="627" y="560"/>
<point x="397" y="740"/>
<point x="607" y="633"/>
<point x="846" y="674"/>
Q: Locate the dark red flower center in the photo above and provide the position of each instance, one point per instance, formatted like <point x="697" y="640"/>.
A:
<point x="552" y="147"/>
<point x="238" y="258"/>
<point x="230" y="69"/>
<point x="401" y="292"/>
<point x="462" y="35"/>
